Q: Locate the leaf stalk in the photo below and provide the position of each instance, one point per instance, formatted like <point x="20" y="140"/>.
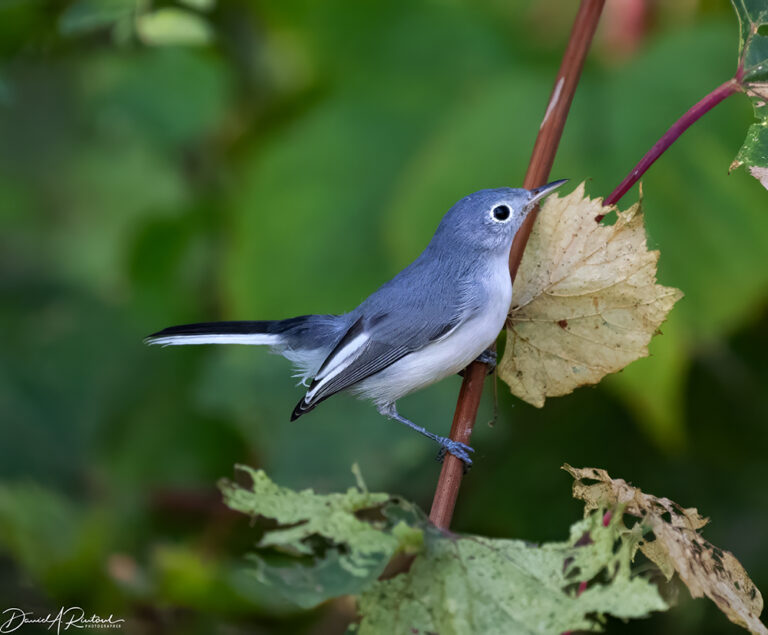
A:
<point x="693" y="114"/>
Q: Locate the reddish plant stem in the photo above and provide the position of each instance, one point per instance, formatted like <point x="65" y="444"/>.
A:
<point x="543" y="155"/>
<point x="447" y="490"/>
<point x="670" y="136"/>
<point x="551" y="129"/>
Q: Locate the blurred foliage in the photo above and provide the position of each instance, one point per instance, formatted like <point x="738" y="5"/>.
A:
<point x="295" y="160"/>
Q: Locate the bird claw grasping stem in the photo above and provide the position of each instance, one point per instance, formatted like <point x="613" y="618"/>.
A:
<point x="488" y="357"/>
<point x="459" y="450"/>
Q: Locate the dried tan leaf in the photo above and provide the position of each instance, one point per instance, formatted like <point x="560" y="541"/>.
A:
<point x="757" y="89"/>
<point x="761" y="174"/>
<point x="678" y="545"/>
<point x="585" y="301"/>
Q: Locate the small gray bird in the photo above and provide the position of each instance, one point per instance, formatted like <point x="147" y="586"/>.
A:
<point x="434" y="318"/>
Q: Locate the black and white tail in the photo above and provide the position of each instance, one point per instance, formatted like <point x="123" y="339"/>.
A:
<point x="305" y="340"/>
<point x="269" y="333"/>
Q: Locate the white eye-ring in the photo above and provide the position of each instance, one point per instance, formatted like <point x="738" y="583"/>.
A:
<point x="501" y="213"/>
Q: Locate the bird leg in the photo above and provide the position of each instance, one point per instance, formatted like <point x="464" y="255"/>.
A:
<point x="459" y="450"/>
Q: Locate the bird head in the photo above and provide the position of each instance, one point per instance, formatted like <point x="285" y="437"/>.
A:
<point x="489" y="219"/>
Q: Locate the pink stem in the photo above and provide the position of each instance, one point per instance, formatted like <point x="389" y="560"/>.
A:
<point x="670" y="136"/>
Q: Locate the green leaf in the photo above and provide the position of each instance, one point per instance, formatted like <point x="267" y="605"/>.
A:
<point x="479" y="585"/>
<point x="308" y="586"/>
<point x="349" y="538"/>
<point x="753" y="63"/>
<point x="173" y="26"/>
<point x="90" y="15"/>
<point x="753" y="46"/>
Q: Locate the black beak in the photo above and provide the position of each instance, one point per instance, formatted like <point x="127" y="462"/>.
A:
<point x="538" y="193"/>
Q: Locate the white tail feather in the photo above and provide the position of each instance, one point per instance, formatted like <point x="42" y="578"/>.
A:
<point x="252" y="339"/>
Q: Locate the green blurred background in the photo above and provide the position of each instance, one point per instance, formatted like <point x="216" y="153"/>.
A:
<point x="254" y="160"/>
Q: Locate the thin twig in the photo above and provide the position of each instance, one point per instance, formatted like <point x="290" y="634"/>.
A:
<point x="542" y="157"/>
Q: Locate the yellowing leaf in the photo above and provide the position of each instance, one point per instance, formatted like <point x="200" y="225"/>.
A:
<point x="678" y="546"/>
<point x="585" y="301"/>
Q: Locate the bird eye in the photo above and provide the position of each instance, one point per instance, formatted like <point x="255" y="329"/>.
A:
<point x="501" y="212"/>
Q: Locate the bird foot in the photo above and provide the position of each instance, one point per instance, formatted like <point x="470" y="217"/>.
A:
<point x="488" y="357"/>
<point x="459" y="450"/>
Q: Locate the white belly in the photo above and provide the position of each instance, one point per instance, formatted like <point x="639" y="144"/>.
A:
<point x="446" y="356"/>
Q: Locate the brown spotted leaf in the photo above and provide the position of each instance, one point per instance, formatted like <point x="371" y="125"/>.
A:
<point x="761" y="174"/>
<point x="585" y="301"/>
<point x="678" y="545"/>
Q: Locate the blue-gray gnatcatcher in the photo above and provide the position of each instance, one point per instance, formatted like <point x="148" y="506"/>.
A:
<point x="431" y="320"/>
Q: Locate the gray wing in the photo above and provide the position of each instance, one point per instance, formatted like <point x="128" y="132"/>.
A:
<point x="421" y="304"/>
<point x="369" y="346"/>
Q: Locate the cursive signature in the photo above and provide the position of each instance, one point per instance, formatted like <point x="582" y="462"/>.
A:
<point x="72" y="617"/>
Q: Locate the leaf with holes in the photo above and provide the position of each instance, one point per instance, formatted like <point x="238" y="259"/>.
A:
<point x="678" y="545"/>
<point x="585" y="301"/>
<point x="753" y="76"/>
<point x="331" y="544"/>
<point x="470" y="584"/>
